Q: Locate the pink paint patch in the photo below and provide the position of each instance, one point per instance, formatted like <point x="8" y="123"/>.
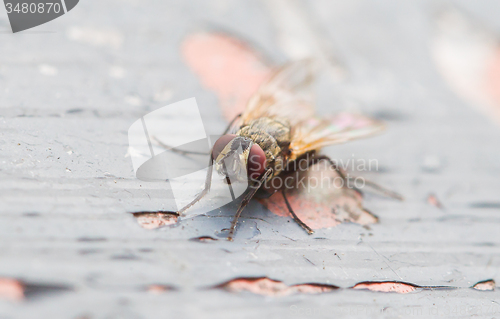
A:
<point x="152" y="220"/>
<point x="11" y="289"/>
<point x="312" y="288"/>
<point x="268" y="287"/>
<point x="389" y="286"/>
<point x="434" y="201"/>
<point x="203" y="239"/>
<point x="158" y="289"/>
<point x="321" y="201"/>
<point x="487" y="285"/>
<point x="314" y="215"/>
<point x="227" y="66"/>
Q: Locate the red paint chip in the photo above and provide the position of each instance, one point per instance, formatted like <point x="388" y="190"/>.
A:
<point x="269" y="287"/>
<point x="203" y="239"/>
<point x="434" y="201"/>
<point x="158" y="289"/>
<point x="323" y="205"/>
<point x="388" y="286"/>
<point x="486" y="285"/>
<point x="11" y="289"/>
<point x="152" y="220"/>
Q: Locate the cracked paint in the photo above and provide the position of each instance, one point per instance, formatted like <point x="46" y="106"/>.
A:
<point x="16" y="290"/>
<point x="157" y="289"/>
<point x="323" y="205"/>
<point x="11" y="289"/>
<point x="387" y="286"/>
<point x="269" y="287"/>
<point x="485" y="285"/>
<point x="154" y="220"/>
<point x="203" y="239"/>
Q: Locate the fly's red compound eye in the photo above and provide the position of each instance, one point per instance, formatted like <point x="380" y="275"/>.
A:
<point x="256" y="162"/>
<point x="221" y="143"/>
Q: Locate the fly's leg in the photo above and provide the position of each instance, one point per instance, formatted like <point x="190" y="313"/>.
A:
<point x="313" y="161"/>
<point x="208" y="180"/>
<point x="175" y="150"/>
<point x="384" y="191"/>
<point x="334" y="165"/>
<point x="208" y="183"/>
<point x="346" y="179"/>
<point x="245" y="202"/>
<point x="231" y="124"/>
<point x="182" y="152"/>
<point x="295" y="217"/>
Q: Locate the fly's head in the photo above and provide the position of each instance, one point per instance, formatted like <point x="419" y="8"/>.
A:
<point x="238" y="158"/>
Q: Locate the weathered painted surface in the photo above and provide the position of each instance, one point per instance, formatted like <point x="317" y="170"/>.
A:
<point x="70" y="246"/>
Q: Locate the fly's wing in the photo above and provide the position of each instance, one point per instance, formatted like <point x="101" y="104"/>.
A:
<point x="315" y="133"/>
<point x="286" y="95"/>
<point x="320" y="197"/>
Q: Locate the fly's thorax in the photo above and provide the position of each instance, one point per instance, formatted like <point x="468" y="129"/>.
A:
<point x="273" y="136"/>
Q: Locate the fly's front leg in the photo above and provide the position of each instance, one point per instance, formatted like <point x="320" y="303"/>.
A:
<point x="208" y="180"/>
<point x="183" y="152"/>
<point x="175" y="150"/>
<point x="208" y="183"/>
<point x="245" y="202"/>
<point x="231" y="124"/>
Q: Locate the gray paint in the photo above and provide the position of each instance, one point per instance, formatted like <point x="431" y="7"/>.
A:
<point x="67" y="189"/>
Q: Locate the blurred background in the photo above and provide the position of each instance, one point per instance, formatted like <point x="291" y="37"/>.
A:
<point x="71" y="247"/>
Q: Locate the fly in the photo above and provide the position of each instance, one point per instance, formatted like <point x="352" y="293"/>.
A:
<point x="276" y="130"/>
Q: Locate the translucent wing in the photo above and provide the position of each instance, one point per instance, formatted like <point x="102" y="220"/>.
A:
<point x="315" y="133"/>
<point x="286" y="95"/>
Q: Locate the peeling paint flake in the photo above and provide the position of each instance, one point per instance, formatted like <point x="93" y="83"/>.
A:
<point x="322" y="205"/>
<point x="434" y="201"/>
<point x="158" y="289"/>
<point x="15" y="290"/>
<point x="269" y="287"/>
<point x="387" y="286"/>
<point x="11" y="289"/>
<point x="203" y="239"/>
<point x="154" y="220"/>
<point x="485" y="285"/>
